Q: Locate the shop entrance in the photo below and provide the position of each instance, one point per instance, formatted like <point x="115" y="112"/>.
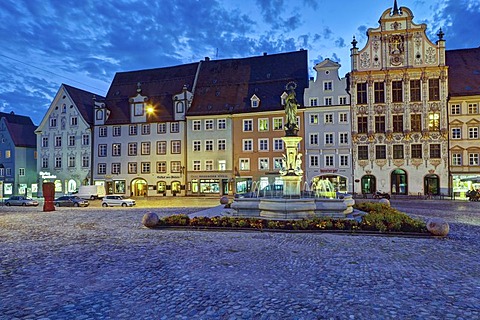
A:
<point x="139" y="187"/>
<point x="399" y="182"/>
<point x="431" y="184"/>
<point x="369" y="184"/>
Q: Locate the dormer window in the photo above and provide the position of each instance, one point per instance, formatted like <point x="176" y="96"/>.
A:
<point x="327" y="85"/>
<point x="180" y="107"/>
<point x="99" y="114"/>
<point x="283" y="97"/>
<point x="254" y="101"/>
<point x="139" y="108"/>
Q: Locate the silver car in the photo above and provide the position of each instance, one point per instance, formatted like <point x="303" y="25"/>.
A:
<point x="109" y="201"/>
<point x="20" y="201"/>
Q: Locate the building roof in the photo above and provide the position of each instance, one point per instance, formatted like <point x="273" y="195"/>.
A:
<point x="84" y="102"/>
<point x="463" y="72"/>
<point x="21" y="129"/>
<point x="226" y="86"/>
<point x="159" y="85"/>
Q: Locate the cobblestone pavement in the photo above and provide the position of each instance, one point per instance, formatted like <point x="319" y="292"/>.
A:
<point x="100" y="263"/>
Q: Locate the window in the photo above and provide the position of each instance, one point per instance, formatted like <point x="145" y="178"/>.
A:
<point x="328" y="118"/>
<point x="342" y="100"/>
<point x="116" y="168"/>
<point x="327" y="86"/>
<point x="343" y="137"/>
<point x="362" y="93"/>
<point x="138" y="108"/>
<point x="176" y="146"/>
<point x="132" y="149"/>
<point x="277" y="163"/>
<point x="415" y="91"/>
<point x="473" y="159"/>
<point x="116" y="149"/>
<point x="328" y="138"/>
<point x="99" y="114"/>
<point x="397" y="123"/>
<point x="132" y="167"/>
<point x="146" y="129"/>
<point x="314" y="161"/>
<point x="8" y="172"/>
<point x="58" y="162"/>
<point x="117" y="131"/>
<point x="328" y="101"/>
<point x="244" y="164"/>
<point x="434" y="121"/>
<point x="247" y="144"/>
<point x="380" y="152"/>
<point x="277" y="123"/>
<point x="456" y="133"/>
<point x="222" y="165"/>
<point x="44" y="162"/>
<point x="71" y="141"/>
<point x="196" y="165"/>
<point x="263" y="124"/>
<point x="263" y="164"/>
<point x="329" y="161"/>
<point x="277" y="144"/>
<point x="85" y="161"/>
<point x="313" y="102"/>
<point x="145" y="167"/>
<point x="254" y="102"/>
<point x="314" y="138"/>
<point x="58" y="142"/>
<point x="74" y="121"/>
<point x="435" y="151"/>
<point x="162" y="128"/>
<point x="161" y="166"/>
<point x="196" y="125"/>
<point x="145" y="148"/>
<point x="397" y="91"/>
<point x="398" y="151"/>
<point x="455" y="109"/>
<point x="209" y="124"/>
<point x="221" y="124"/>
<point x="102" y="150"/>
<point x="416" y="151"/>
<point x="416" y="122"/>
<point x="175" y="167"/>
<point x="45" y="142"/>
<point x="362" y="152"/>
<point x="344" y="160"/>
<point x="208" y="145"/>
<point x="456" y="159"/>
<point x="380" y="124"/>
<point x="21" y="172"/>
<point x="473" y="133"/>
<point x="174" y="127"/>
<point x="161" y="147"/>
<point x="85" y="140"/>
<point x="472" y="108"/>
<point x="247" y="125"/>
<point x="434" y="89"/>
<point x="379" y="92"/>
<point x="263" y="144"/>
<point x="132" y="129"/>
<point x="71" y="161"/>
<point x="314" y="118"/>
<point x="102" y="168"/>
<point x="102" y="131"/>
<point x="343" y="117"/>
<point x="53" y="122"/>
<point x="64" y="108"/>
<point x="197" y="145"/>
<point x="7" y="154"/>
<point x="362" y="124"/>
<point x="208" y="165"/>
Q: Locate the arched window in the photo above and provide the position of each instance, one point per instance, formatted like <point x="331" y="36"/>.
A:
<point x="369" y="184"/>
<point x="399" y="182"/>
<point x="431" y="183"/>
<point x="161" y="187"/>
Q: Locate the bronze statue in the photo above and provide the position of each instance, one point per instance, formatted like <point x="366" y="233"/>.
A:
<point x="291" y="105"/>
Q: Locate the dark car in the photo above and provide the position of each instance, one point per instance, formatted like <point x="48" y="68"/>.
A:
<point x="20" y="201"/>
<point x="70" y="201"/>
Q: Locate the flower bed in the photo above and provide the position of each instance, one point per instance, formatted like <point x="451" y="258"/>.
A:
<point x="379" y="218"/>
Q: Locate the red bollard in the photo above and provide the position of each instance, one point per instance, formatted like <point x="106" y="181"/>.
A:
<point x="48" y="194"/>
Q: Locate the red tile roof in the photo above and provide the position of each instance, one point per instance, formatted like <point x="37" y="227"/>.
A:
<point x="463" y="72"/>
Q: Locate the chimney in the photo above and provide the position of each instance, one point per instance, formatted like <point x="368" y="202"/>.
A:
<point x="207" y="58"/>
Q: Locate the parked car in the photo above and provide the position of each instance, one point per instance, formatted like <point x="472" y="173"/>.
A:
<point x="70" y="201"/>
<point x="110" y="201"/>
<point x="20" y="201"/>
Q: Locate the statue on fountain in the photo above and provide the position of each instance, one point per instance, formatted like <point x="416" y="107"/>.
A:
<point x="291" y="106"/>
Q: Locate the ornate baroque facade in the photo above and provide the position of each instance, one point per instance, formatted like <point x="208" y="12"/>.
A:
<point x="399" y="88"/>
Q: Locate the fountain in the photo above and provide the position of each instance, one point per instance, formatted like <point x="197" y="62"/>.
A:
<point x="294" y="205"/>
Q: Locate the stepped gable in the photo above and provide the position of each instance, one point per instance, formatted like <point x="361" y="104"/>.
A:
<point x="84" y="102"/>
<point x="159" y="85"/>
<point x="463" y="72"/>
<point x="226" y="86"/>
<point x="21" y="129"/>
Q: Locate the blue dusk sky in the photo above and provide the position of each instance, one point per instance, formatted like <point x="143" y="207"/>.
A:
<point x="44" y="43"/>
